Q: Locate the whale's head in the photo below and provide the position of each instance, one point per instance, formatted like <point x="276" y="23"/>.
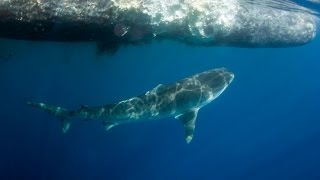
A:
<point x="253" y="24"/>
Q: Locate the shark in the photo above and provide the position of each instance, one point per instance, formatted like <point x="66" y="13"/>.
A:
<point x="182" y="100"/>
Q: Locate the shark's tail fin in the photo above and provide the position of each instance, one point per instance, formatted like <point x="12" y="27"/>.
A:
<point x="63" y="114"/>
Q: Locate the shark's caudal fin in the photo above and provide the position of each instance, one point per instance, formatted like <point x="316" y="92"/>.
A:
<point x="63" y="114"/>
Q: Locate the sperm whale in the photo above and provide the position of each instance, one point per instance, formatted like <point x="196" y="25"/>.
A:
<point x="114" y="23"/>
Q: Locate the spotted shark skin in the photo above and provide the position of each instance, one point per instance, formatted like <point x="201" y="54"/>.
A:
<point x="182" y="100"/>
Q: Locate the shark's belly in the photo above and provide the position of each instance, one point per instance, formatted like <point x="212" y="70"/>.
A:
<point x="137" y="108"/>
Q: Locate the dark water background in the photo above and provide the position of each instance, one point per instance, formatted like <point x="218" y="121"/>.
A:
<point x="266" y="125"/>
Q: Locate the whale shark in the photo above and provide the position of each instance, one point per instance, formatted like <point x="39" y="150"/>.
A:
<point x="182" y="100"/>
<point x="115" y="23"/>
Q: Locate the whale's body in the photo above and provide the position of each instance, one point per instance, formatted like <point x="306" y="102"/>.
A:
<point x="113" y="23"/>
<point x="181" y="100"/>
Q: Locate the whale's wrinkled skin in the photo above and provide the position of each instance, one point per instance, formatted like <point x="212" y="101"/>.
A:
<point x="182" y="100"/>
<point x="119" y="22"/>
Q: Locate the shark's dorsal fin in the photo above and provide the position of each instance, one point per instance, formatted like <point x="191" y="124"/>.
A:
<point x="109" y="125"/>
<point x="188" y="119"/>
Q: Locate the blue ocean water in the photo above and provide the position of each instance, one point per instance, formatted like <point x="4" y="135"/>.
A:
<point x="266" y="125"/>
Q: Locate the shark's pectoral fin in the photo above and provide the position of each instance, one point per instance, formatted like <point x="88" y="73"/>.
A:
<point x="65" y="122"/>
<point x="188" y="119"/>
<point x="109" y="125"/>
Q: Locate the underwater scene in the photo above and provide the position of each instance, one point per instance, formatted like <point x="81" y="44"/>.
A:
<point x="159" y="89"/>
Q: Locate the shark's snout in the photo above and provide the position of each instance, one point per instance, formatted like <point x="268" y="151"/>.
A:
<point x="228" y="76"/>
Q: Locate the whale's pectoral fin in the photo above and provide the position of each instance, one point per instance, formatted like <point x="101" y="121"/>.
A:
<point x="84" y="107"/>
<point x="107" y="47"/>
<point x="188" y="119"/>
<point x="109" y="125"/>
